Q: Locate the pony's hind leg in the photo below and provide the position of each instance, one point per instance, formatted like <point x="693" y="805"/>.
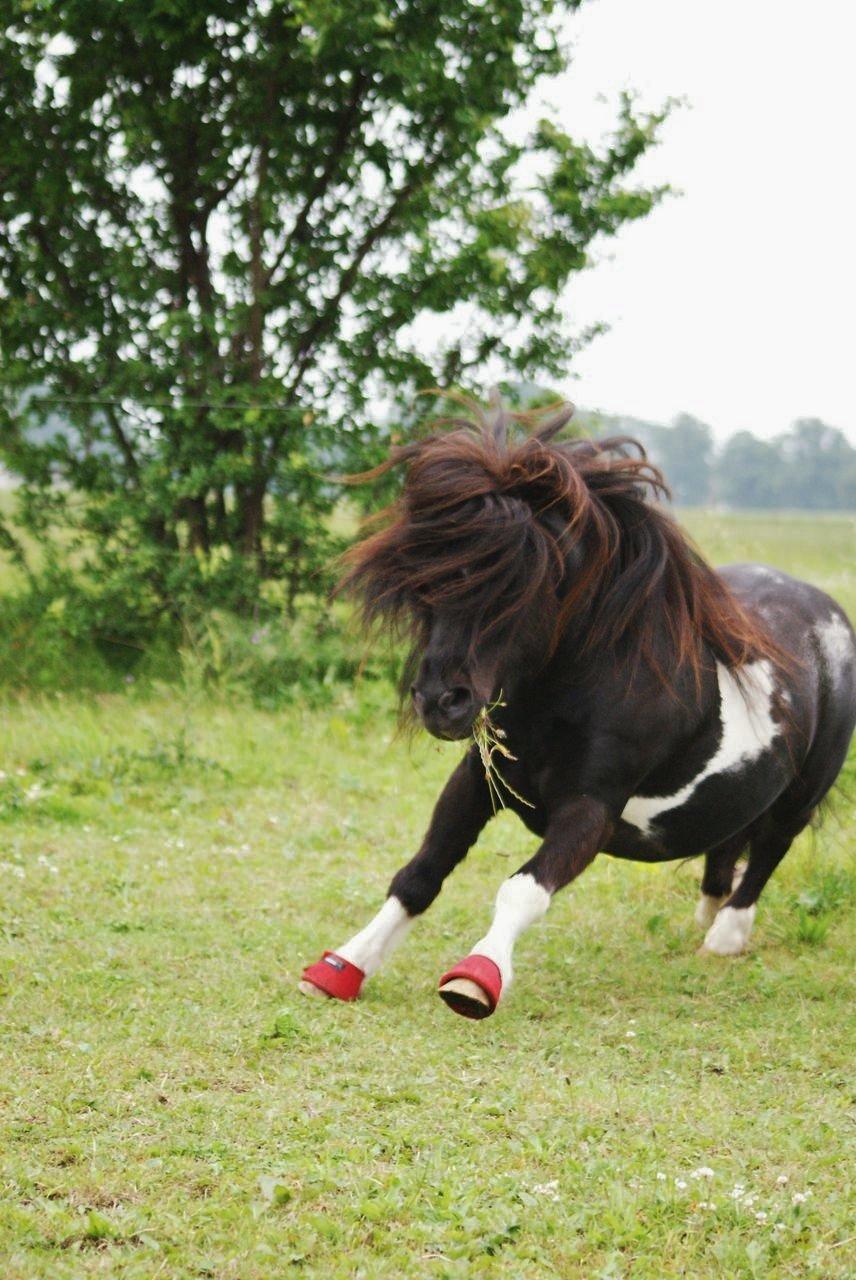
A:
<point x="774" y="834"/>
<point x="720" y="878"/>
<point x="729" y="933"/>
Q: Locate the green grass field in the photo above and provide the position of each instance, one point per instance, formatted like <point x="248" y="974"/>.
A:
<point x="170" y="1106"/>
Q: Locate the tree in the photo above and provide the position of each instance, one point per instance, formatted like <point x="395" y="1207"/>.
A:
<point x="749" y="472"/>
<point x="812" y="466"/>
<point x="684" y="450"/>
<point x="820" y="467"/>
<point x="221" y="226"/>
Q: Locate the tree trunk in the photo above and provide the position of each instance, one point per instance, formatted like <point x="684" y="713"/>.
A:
<point x="221" y="516"/>
<point x="196" y="515"/>
<point x="293" y="576"/>
<point x="252" y="510"/>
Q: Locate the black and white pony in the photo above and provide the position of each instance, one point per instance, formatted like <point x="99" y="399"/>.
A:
<point x="655" y="708"/>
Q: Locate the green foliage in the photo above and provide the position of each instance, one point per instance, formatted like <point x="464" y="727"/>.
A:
<point x="50" y="646"/>
<point x="219" y="227"/>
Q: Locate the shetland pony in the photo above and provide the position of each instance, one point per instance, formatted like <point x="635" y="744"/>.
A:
<point x="651" y="706"/>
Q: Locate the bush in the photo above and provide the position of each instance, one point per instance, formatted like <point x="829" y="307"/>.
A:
<point x="59" y="643"/>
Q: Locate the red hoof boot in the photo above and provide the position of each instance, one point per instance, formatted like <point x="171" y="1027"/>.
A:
<point x="473" y="987"/>
<point x="332" y="976"/>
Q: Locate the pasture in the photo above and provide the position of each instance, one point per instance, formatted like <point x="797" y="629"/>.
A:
<point x="170" y="1106"/>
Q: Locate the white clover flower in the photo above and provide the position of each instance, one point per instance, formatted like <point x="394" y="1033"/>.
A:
<point x="782" y="1180"/>
<point x="630" y="1034"/>
<point x="702" y="1172"/>
<point x="548" y="1189"/>
<point x="661" y="1177"/>
<point x="760" y="1216"/>
<point x="706" y="1204"/>
<point x="800" y="1197"/>
<point x="680" y="1184"/>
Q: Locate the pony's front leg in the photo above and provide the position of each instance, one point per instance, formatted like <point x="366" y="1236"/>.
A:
<point x="574" y="835"/>
<point x="459" y="816"/>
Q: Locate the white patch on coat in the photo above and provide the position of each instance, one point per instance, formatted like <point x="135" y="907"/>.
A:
<point x="370" y="947"/>
<point x="521" y="901"/>
<point x="764" y="571"/>
<point x="729" y="933"/>
<point x="836" y="643"/>
<point x="748" y="729"/>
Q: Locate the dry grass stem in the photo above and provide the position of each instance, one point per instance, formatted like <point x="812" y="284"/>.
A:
<point x="489" y="739"/>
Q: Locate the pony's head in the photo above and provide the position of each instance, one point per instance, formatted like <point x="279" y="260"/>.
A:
<point x="502" y="540"/>
<point x="472" y="559"/>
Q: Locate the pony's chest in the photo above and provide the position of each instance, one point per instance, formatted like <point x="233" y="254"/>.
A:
<point x="728" y="784"/>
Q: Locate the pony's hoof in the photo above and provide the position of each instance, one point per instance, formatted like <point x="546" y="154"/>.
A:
<point x="729" y="933"/>
<point x="472" y="988"/>
<point x="310" y="989"/>
<point x="467" y="998"/>
<point x="333" y="976"/>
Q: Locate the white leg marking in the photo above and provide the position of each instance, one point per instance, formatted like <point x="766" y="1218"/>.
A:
<point x="729" y="933"/>
<point x="708" y="906"/>
<point x="370" y="947"/>
<point x="521" y="901"/>
<point x="706" y="909"/>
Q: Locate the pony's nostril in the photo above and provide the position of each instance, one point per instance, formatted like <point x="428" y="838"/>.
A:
<point x="455" y="701"/>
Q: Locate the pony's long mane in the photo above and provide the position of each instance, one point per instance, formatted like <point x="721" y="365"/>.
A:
<point x="503" y="527"/>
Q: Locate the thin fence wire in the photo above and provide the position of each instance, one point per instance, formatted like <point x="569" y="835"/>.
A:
<point x="241" y="406"/>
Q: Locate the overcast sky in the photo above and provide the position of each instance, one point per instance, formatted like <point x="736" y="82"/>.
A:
<point x="735" y="300"/>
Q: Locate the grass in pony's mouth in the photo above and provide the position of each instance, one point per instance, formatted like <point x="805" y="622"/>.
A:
<point x="489" y="739"/>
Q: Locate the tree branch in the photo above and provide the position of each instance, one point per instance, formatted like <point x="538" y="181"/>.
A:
<point x="123" y="443"/>
<point x="220" y="193"/>
<point x="319" y="187"/>
<point x="257" y="274"/>
<point x="376" y="233"/>
<point x="14" y="549"/>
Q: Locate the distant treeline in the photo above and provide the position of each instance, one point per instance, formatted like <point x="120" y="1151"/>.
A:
<point x="811" y="466"/>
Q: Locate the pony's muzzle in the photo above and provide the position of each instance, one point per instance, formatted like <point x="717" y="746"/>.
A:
<point x="447" y="714"/>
